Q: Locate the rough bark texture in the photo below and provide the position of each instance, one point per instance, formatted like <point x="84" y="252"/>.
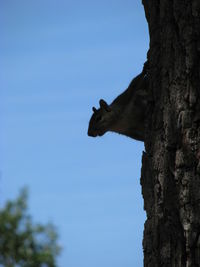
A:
<point x="171" y="164"/>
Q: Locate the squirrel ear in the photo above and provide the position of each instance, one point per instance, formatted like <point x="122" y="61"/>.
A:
<point x="94" y="109"/>
<point x="104" y="105"/>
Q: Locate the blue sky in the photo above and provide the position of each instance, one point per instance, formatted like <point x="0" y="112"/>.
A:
<point x="57" y="59"/>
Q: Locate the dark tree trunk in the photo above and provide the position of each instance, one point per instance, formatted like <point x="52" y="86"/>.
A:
<point x="171" y="164"/>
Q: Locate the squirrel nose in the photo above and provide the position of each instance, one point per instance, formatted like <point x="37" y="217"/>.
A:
<point x="91" y="133"/>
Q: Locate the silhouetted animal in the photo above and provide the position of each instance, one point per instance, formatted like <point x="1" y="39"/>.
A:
<point x="126" y="114"/>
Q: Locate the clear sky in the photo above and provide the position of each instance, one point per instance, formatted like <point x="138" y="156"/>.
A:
<point x="57" y="59"/>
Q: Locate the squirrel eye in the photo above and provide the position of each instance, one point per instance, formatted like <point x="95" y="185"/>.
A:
<point x="98" y="118"/>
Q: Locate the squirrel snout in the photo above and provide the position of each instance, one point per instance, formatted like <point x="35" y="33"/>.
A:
<point x="91" y="133"/>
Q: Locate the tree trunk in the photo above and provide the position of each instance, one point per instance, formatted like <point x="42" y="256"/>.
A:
<point x="171" y="164"/>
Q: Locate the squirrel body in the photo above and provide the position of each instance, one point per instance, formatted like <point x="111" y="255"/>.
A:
<point x="126" y="114"/>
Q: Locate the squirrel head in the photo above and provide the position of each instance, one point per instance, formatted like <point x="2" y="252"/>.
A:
<point x="101" y="120"/>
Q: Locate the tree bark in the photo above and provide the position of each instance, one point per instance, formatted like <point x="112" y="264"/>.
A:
<point x="171" y="164"/>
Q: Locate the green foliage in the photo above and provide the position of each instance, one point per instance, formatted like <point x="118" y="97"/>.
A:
<point x="23" y="243"/>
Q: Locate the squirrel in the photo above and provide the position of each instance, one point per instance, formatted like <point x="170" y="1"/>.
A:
<point x="126" y="114"/>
